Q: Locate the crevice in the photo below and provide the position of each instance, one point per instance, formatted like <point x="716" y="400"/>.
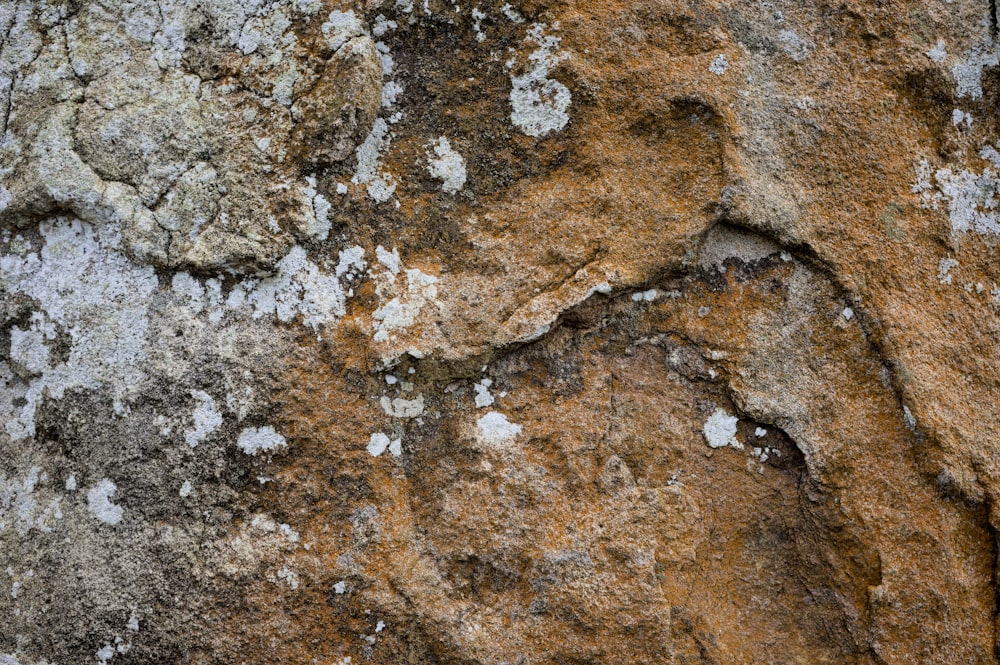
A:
<point x="10" y="107"/>
<point x="994" y="582"/>
<point x="994" y="19"/>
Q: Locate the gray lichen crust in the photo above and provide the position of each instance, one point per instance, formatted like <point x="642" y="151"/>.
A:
<point x="191" y="126"/>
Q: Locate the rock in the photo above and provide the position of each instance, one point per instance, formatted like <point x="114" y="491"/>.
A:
<point x="336" y="115"/>
<point x="536" y="332"/>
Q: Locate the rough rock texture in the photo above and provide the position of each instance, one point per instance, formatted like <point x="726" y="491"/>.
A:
<point x="661" y="331"/>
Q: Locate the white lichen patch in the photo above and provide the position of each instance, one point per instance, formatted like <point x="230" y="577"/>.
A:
<point x="477" y="23"/>
<point x="511" y="13"/>
<point x="719" y="65"/>
<point x="379" y="443"/>
<point x="289" y="577"/>
<point x="297" y="289"/>
<point x="720" y="430"/>
<point x="206" y="416"/>
<point x="379" y="183"/>
<point x="968" y="72"/>
<point x="317" y="213"/>
<point x="971" y="197"/>
<point x="944" y="269"/>
<point x="21" y="506"/>
<point x="495" y="430"/>
<point x="186" y="489"/>
<point x="389" y="259"/>
<point x="105" y="653"/>
<point x="100" y="505"/>
<point x="288" y="532"/>
<point x="938" y="53"/>
<point x="91" y="292"/>
<point x="253" y="440"/>
<point x="403" y="408"/>
<point x="402" y="310"/>
<point x="340" y="27"/>
<point x="483" y="396"/>
<point x="448" y="166"/>
<point x="300" y="288"/>
<point x="28" y="350"/>
<point x="539" y="104"/>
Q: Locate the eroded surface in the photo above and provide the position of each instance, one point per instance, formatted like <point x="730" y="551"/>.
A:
<point x="540" y="332"/>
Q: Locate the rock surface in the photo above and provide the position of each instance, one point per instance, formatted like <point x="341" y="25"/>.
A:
<point x="537" y="332"/>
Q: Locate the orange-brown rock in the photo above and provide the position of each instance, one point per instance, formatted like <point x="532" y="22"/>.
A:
<point x="540" y="332"/>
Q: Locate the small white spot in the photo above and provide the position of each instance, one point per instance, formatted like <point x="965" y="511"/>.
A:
<point x="848" y="313"/>
<point x="253" y="440"/>
<point x="403" y="408"/>
<point x="389" y="259"/>
<point x="133" y="623"/>
<point x="99" y="502"/>
<point x="483" y="396"/>
<point x="720" y="430"/>
<point x="383" y="25"/>
<point x="759" y="432"/>
<point x="512" y="13"/>
<point x="379" y="184"/>
<point x="71" y="483"/>
<point x="958" y="116"/>
<point x="206" y="417"/>
<point x="340" y="587"/>
<point x="944" y="266"/>
<point x="538" y="103"/>
<point x="377" y="444"/>
<point x="719" y="65"/>
<point x="495" y="429"/>
<point x="477" y="26"/>
<point x="937" y="54"/>
<point x="380" y="626"/>
<point x="289" y="577"/>
<point x="340" y="27"/>
<point x="449" y="167"/>
<point x="185" y="489"/>
<point x="396" y="447"/>
<point x="105" y="654"/>
<point x="288" y="532"/>
<point x="341" y="188"/>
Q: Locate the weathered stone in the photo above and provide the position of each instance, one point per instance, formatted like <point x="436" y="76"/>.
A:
<point x="539" y="332"/>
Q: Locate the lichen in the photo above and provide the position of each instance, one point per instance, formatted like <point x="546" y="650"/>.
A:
<point x="538" y="103"/>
